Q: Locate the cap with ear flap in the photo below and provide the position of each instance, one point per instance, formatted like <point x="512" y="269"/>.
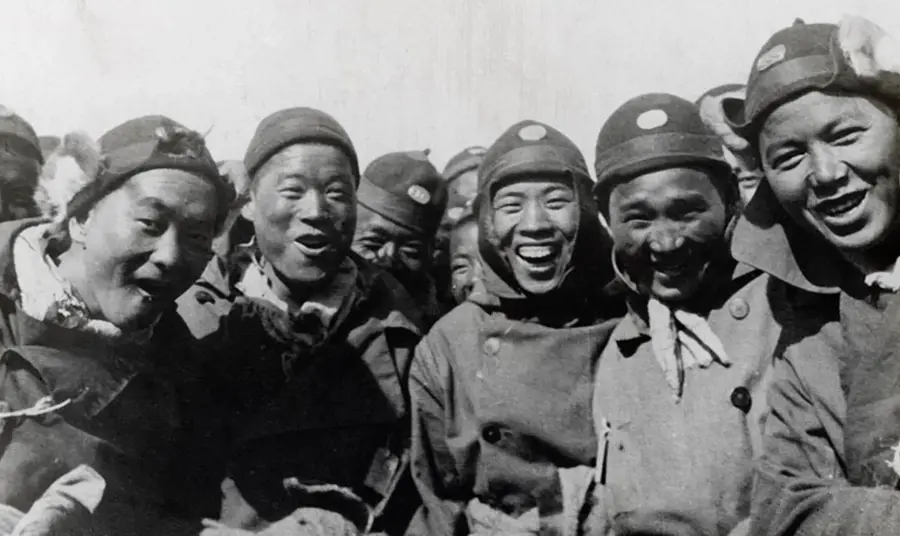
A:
<point x="652" y="132"/>
<point x="467" y="160"/>
<point x="713" y="114"/>
<point x="856" y="56"/>
<point x="533" y="149"/>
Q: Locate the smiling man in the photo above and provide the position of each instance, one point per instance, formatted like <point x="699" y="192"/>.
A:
<point x="402" y="198"/>
<point x="501" y="386"/>
<point x="310" y="343"/>
<point x="680" y="385"/>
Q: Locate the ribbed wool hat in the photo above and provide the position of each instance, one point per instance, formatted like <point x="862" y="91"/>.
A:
<point x="292" y="126"/>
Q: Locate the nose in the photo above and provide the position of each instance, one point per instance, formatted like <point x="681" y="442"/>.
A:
<point x="534" y="218"/>
<point x="388" y="251"/>
<point x="167" y="251"/>
<point x="312" y="206"/>
<point x="665" y="238"/>
<point x="827" y="167"/>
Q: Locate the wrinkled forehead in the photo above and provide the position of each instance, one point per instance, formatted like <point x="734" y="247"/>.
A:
<point x="532" y="184"/>
<point x="173" y="191"/>
<point x="809" y="113"/>
<point x="667" y="186"/>
<point x="309" y="162"/>
<point x="371" y="223"/>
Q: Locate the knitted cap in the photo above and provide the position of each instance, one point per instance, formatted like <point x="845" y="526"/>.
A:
<point x="406" y="189"/>
<point x="296" y="125"/>
<point x="651" y="132"/>
<point x="143" y="144"/>
<point x="467" y="160"/>
<point x="530" y="148"/>
<point x="18" y="136"/>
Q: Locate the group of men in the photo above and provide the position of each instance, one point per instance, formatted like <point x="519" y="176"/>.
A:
<point x="295" y="344"/>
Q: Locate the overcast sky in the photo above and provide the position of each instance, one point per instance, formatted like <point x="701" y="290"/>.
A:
<point x="399" y="74"/>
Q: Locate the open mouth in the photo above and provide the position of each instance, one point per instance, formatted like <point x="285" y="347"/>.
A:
<point x="150" y="289"/>
<point x="673" y="265"/>
<point x="842" y="205"/>
<point x="538" y="256"/>
<point x="313" y="244"/>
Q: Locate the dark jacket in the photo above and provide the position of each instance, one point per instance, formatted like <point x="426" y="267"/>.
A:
<point x="132" y="416"/>
<point x="835" y="408"/>
<point x="320" y="405"/>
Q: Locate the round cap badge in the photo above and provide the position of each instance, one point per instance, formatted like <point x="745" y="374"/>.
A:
<point x="455" y="213"/>
<point x="418" y="194"/>
<point x="652" y="119"/>
<point x="477" y="151"/>
<point x="533" y="133"/>
<point x="771" y="57"/>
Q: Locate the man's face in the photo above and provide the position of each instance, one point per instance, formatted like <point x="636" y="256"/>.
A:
<point x="536" y="221"/>
<point x="465" y="264"/>
<point x="18" y="181"/>
<point x="666" y="226"/>
<point x="144" y="244"/>
<point x="833" y="162"/>
<point x="404" y="252"/>
<point x="303" y="208"/>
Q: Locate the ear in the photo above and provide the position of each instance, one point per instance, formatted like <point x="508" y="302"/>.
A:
<point x="77" y="229"/>
<point x="248" y="211"/>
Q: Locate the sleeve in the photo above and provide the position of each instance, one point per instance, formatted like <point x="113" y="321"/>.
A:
<point x="800" y="486"/>
<point x="24" y="473"/>
<point x="433" y="470"/>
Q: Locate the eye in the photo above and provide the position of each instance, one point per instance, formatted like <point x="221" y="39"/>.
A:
<point x="788" y="159"/>
<point x="508" y="205"/>
<point x="459" y="266"/>
<point x="413" y="250"/>
<point x="338" y="194"/>
<point x="152" y="227"/>
<point x="846" y="136"/>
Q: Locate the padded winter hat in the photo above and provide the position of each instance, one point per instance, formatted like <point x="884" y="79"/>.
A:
<point x="406" y="189"/>
<point x="652" y="132"/>
<point x="136" y="146"/>
<point x="529" y="148"/>
<point x="468" y="160"/>
<point x="17" y="135"/>
<point x="292" y="126"/>
<point x="856" y="56"/>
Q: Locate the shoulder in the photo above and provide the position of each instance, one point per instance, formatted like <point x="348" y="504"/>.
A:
<point x="386" y="302"/>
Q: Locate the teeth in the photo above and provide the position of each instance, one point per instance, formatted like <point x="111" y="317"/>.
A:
<point x="839" y="207"/>
<point x="535" y="252"/>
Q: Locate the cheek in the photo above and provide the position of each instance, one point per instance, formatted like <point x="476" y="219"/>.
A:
<point x="566" y="221"/>
<point x="709" y="227"/>
<point x="790" y="187"/>
<point x="503" y="224"/>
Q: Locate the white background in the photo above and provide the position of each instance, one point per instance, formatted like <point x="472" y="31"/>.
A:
<point x="399" y="74"/>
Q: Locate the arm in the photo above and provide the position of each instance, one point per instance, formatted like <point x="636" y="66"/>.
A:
<point x="801" y="486"/>
<point x="433" y="470"/>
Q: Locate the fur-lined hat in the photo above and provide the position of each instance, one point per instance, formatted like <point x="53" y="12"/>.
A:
<point x="80" y="171"/>
<point x="856" y="56"/>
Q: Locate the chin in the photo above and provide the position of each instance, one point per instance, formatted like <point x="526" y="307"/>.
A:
<point x="538" y="288"/>
<point x="667" y="293"/>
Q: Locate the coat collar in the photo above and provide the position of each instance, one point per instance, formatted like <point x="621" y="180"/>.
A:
<point x="633" y="330"/>
<point x="766" y="239"/>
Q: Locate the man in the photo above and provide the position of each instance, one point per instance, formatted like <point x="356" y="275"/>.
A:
<point x="311" y="344"/>
<point x="465" y="263"/>
<point x="745" y="167"/>
<point x="402" y="198"/>
<point x="461" y="175"/>
<point x="20" y="164"/>
<point x="681" y="386"/>
<point x="501" y="386"/>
